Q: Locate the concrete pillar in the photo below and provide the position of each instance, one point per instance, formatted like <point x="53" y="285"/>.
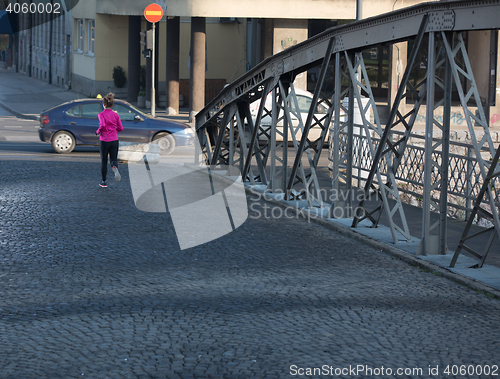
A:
<point x="197" y="67"/>
<point x="397" y="65"/>
<point x="268" y="38"/>
<point x="134" y="57"/>
<point x="173" y="35"/>
<point x="482" y="47"/>
<point x="359" y="9"/>
<point x="288" y="32"/>
<point x="479" y="56"/>
<point x="253" y="34"/>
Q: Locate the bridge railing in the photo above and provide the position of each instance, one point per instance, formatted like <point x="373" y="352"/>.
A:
<point x="464" y="175"/>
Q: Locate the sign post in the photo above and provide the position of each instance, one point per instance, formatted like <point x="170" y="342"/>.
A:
<point x="153" y="13"/>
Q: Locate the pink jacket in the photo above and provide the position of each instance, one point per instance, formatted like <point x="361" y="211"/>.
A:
<point x="109" y="125"/>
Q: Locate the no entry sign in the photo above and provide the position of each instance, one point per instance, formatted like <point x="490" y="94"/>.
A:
<point x="153" y="13"/>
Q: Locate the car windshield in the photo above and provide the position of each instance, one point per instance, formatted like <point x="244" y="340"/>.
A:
<point x="139" y="112"/>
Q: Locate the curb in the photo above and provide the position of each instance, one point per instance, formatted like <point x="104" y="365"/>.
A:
<point x="393" y="251"/>
<point x="18" y="114"/>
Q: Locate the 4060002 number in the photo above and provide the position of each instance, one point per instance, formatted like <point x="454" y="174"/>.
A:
<point x="472" y="370"/>
<point x="34" y="8"/>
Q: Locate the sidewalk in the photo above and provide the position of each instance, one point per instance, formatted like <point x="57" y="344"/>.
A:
<point x="27" y="97"/>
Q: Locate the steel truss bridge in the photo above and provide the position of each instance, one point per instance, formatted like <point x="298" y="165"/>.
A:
<point x="231" y="135"/>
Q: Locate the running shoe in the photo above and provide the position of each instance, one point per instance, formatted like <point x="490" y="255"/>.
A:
<point x="118" y="177"/>
<point x="103" y="184"/>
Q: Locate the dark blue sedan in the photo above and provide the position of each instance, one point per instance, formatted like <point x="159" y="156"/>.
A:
<point x="75" y="123"/>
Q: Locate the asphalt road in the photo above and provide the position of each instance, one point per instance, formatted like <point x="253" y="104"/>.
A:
<point x="19" y="140"/>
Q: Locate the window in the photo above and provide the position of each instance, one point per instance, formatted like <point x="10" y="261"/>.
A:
<point x="91" y="110"/>
<point x="35" y="32"/>
<point x="124" y="113"/>
<point x="74" y="112"/>
<point x="39" y="32"/>
<point x="44" y="33"/>
<point x="320" y="109"/>
<point x="47" y="32"/>
<point x="80" y="33"/>
<point x="61" y="34"/>
<point x="55" y="36"/>
<point x="91" y="37"/>
<point x="304" y="103"/>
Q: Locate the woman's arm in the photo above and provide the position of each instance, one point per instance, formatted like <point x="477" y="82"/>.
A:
<point x="119" y="126"/>
<point x="101" y="122"/>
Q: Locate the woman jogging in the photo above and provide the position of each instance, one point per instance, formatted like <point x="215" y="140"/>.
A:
<point x="109" y="125"/>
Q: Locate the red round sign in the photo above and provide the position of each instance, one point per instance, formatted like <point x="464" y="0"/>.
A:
<point x="153" y="13"/>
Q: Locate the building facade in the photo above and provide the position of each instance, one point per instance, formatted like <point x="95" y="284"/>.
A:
<point x="201" y="46"/>
<point x="44" y="46"/>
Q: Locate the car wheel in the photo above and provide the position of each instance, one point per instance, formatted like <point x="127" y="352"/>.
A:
<point x="166" y="142"/>
<point x="63" y="142"/>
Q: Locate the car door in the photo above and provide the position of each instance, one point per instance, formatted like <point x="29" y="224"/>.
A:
<point x="83" y="122"/>
<point x="90" y="122"/>
<point x="134" y="128"/>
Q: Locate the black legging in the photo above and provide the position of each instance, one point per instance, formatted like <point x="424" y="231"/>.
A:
<point x="106" y="148"/>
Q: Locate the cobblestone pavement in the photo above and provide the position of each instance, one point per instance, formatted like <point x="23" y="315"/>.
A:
<point x="91" y="287"/>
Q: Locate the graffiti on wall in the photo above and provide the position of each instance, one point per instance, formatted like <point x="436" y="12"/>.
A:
<point x="286" y="43"/>
<point x="43" y="59"/>
<point x="457" y="118"/>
